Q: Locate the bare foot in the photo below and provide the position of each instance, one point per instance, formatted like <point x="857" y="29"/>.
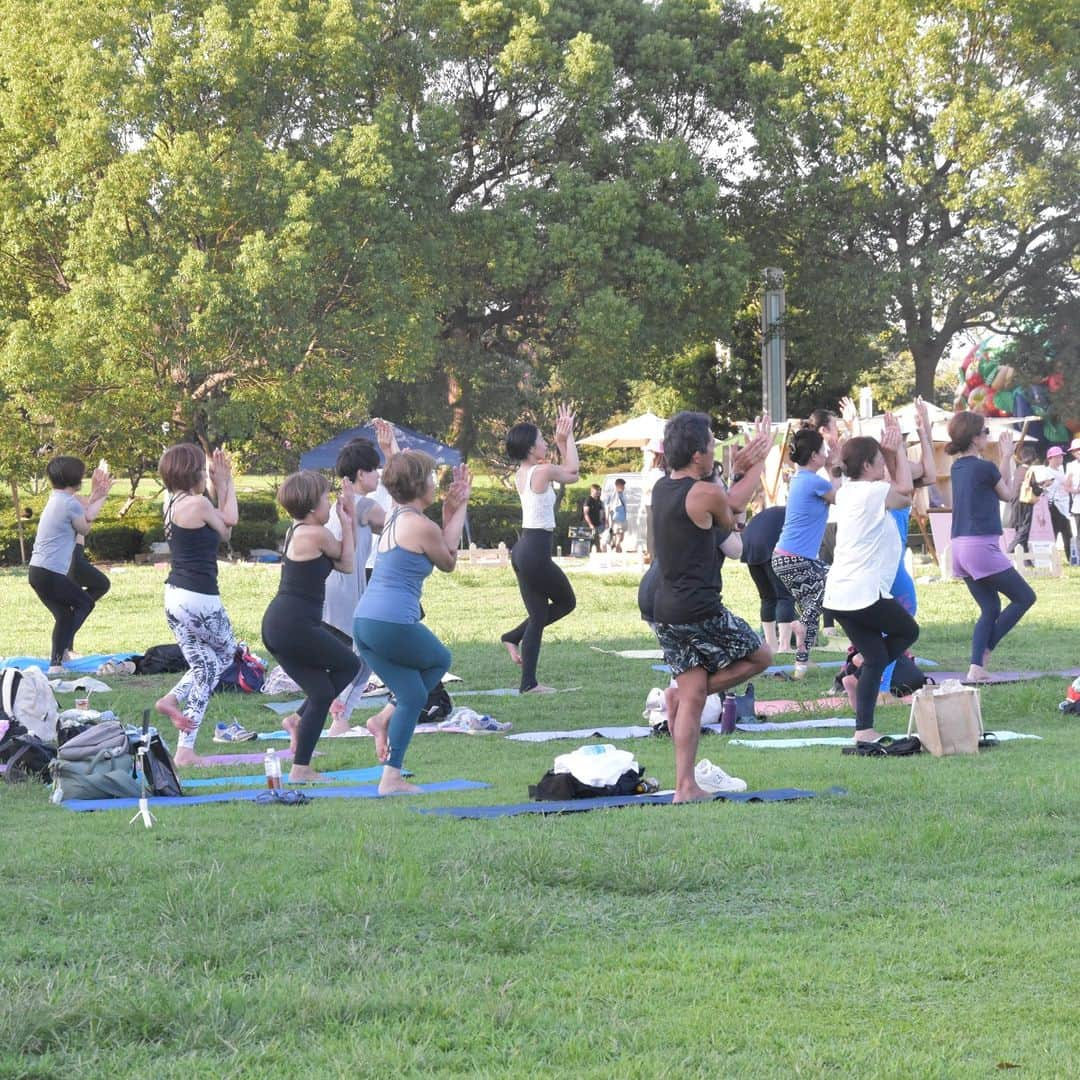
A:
<point x="184" y="756"/>
<point x="849" y="683"/>
<point x="978" y="674"/>
<point x="691" y="793"/>
<point x="69" y="655"/>
<point x="340" y="726"/>
<point x="540" y="689"/>
<point x="337" y="710"/>
<point x="869" y="735"/>
<point x="170" y="707"/>
<point x="290" y="724"/>
<point x="514" y="651"/>
<point x="393" y="784"/>
<point x="303" y="774"/>
<point x="379" y="726"/>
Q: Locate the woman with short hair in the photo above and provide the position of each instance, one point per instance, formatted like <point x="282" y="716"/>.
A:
<point x="292" y="628"/>
<point x="390" y="637"/>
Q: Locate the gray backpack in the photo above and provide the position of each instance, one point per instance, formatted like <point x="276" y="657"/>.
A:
<point x="96" y="764"/>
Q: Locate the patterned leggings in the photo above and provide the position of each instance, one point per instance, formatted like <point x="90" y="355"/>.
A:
<point x="805" y="580"/>
<point x="205" y="637"/>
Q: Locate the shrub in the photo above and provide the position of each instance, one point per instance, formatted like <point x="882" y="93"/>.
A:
<point x="114" y="543"/>
<point x="252" y="534"/>
<point x="254" y="508"/>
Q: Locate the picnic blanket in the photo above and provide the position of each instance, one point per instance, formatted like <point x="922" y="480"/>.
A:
<point x="577" y="806"/>
<point x="360" y="791"/>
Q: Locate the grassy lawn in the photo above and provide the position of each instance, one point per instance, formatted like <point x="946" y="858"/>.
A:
<point x="924" y="925"/>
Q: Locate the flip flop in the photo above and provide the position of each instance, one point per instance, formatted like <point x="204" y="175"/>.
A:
<point x="864" y="748"/>
<point x="988" y="740"/>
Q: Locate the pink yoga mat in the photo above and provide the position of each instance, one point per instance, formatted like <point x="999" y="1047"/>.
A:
<point x="779" y="708"/>
<point x="237" y="759"/>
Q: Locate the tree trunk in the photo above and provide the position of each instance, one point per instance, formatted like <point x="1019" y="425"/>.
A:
<point x="18" y="519"/>
<point x="927" y="354"/>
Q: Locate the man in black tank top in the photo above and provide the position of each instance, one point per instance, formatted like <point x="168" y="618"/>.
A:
<point x="707" y="647"/>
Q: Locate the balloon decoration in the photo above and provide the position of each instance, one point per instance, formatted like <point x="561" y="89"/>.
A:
<point x="988" y="386"/>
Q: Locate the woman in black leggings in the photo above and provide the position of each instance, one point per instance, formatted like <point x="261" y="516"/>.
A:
<point x="320" y="664"/>
<point x="544" y="587"/>
<point x="868" y="546"/>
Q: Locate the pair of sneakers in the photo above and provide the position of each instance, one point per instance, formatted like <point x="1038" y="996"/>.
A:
<point x="712" y="778"/>
<point x="233" y="732"/>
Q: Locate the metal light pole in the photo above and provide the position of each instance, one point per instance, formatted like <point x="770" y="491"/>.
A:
<point x="773" y="346"/>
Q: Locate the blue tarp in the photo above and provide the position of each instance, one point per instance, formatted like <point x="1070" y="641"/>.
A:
<point x="324" y="456"/>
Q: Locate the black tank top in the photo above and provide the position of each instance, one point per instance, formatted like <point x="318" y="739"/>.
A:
<point x="305" y="579"/>
<point x="689" y="586"/>
<point x="194" y="556"/>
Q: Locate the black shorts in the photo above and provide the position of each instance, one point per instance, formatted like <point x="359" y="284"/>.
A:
<point x="713" y="644"/>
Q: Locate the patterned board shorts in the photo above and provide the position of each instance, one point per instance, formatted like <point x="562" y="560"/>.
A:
<point x="713" y="644"/>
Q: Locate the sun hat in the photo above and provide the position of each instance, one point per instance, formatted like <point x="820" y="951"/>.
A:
<point x="1055" y="451"/>
<point x="1074" y="445"/>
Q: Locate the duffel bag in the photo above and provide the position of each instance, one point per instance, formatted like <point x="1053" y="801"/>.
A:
<point x="96" y="764"/>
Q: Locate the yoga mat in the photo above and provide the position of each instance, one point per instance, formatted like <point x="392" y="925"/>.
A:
<point x="283" y="708"/>
<point x="840" y="740"/>
<point x="778" y="707"/>
<point x="1005" y="676"/>
<point x="312" y="791"/>
<point x="788" y="669"/>
<point x="350" y="776"/>
<point x="85" y="664"/>
<point x="236" y="759"/>
<point x="509" y="692"/>
<point x="638" y="732"/>
<point x="791" y="725"/>
<point x="576" y="806"/>
<point x="631" y="654"/>
<point x="358" y="731"/>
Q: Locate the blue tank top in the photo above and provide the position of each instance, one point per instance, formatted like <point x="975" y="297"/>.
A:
<point x="194" y="557"/>
<point x="393" y="593"/>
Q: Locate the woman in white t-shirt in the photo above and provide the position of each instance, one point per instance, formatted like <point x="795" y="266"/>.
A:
<point x="868" y="545"/>
<point x="1072" y="483"/>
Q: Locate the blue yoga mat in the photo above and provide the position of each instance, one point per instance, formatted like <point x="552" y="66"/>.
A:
<point x="85" y="665"/>
<point x="575" y="806"/>
<point x="313" y="791"/>
<point x="346" y="776"/>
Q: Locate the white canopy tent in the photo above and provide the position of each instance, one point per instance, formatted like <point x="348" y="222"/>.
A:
<point x="637" y="432"/>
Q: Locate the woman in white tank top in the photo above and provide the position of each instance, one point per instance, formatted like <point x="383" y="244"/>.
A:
<point x="545" y="589"/>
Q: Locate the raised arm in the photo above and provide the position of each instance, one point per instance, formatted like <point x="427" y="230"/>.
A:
<point x="749" y="464"/>
<point x="927" y="463"/>
<point x="223" y="489"/>
<point x="566" y="472"/>
<point x="441" y="545"/>
<point x="342" y="551"/>
<point x="896" y="459"/>
<point x="1008" y="487"/>
<point x="100" y="483"/>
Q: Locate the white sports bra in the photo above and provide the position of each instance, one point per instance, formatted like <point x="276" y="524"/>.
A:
<point x="537" y="511"/>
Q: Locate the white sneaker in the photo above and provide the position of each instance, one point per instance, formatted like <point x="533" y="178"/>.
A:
<point x="712" y="778"/>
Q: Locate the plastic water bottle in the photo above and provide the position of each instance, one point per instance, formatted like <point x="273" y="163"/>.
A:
<point x="272" y="765"/>
<point x="727" y="715"/>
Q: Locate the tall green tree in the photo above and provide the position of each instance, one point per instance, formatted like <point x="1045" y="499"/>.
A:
<point x="921" y="157"/>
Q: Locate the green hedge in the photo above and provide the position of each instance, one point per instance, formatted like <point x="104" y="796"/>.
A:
<point x="114" y="543"/>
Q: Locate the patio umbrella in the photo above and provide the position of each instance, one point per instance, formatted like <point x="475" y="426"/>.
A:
<point x="637" y="432"/>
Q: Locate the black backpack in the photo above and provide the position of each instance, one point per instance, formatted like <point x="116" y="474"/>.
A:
<point x="25" y="755"/>
<point x="161" y="660"/>
<point x="438" y="706"/>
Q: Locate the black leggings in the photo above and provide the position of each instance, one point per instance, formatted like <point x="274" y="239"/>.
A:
<point x="87" y="576"/>
<point x="547" y="593"/>
<point x="69" y="605"/>
<point x="317" y="660"/>
<point x="881" y="632"/>
<point x="1062" y="527"/>
<point x="777" y="604"/>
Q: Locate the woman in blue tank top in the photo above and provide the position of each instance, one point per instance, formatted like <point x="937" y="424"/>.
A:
<point x="404" y="653"/>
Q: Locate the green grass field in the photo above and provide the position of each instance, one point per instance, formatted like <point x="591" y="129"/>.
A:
<point x="923" y="925"/>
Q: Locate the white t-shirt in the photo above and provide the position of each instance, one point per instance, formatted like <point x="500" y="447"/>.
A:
<point x="648" y="479"/>
<point x="868" y="547"/>
<point x="1053" y="485"/>
<point x="343" y="591"/>
<point x="1072" y="474"/>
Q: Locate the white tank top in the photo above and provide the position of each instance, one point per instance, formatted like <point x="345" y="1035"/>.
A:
<point x="537" y="511"/>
